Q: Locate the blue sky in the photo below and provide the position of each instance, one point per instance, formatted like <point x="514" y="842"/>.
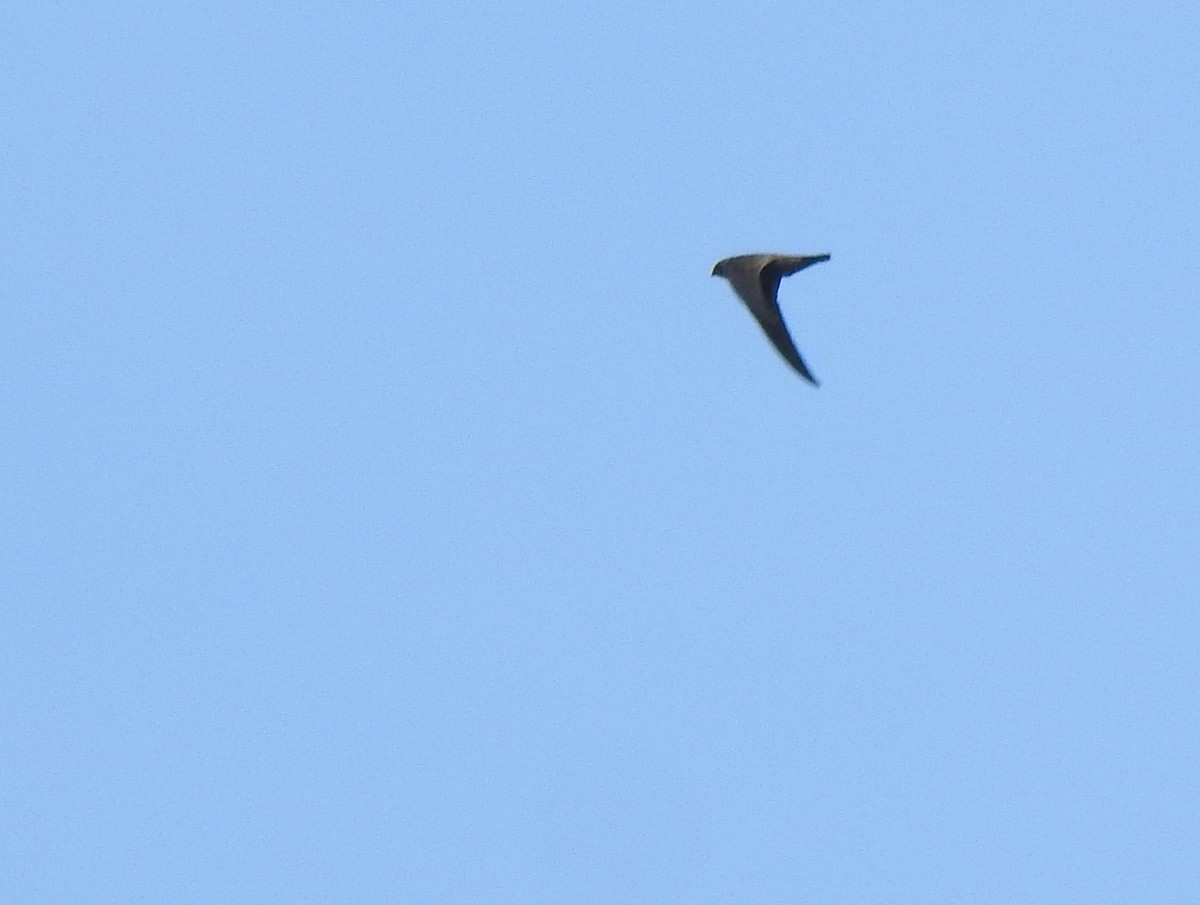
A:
<point x="397" y="511"/>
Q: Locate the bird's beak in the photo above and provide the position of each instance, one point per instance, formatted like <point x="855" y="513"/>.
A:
<point x="716" y="270"/>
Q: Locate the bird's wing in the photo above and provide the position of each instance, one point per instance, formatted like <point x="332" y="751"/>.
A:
<point x="786" y="265"/>
<point x="771" y="320"/>
<point x="767" y="312"/>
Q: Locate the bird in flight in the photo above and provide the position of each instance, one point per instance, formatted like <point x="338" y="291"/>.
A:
<point x="755" y="278"/>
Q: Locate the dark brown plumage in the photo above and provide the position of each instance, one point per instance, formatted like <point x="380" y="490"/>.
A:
<point x="755" y="278"/>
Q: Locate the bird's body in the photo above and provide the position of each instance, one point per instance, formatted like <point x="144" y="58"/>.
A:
<point x="755" y="278"/>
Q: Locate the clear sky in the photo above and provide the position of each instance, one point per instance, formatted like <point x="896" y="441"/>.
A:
<point x="396" y="510"/>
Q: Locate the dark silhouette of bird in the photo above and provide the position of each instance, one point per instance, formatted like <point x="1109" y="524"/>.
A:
<point x="755" y="278"/>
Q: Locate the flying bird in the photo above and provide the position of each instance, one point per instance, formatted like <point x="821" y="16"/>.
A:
<point x="755" y="278"/>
